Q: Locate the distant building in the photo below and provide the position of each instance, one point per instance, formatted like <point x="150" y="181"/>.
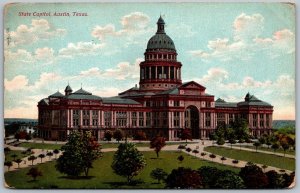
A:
<point x="162" y="104"/>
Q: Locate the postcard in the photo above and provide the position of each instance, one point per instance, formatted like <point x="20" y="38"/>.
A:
<point x="149" y="95"/>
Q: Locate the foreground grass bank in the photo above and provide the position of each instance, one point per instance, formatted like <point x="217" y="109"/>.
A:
<point x="260" y="158"/>
<point x="102" y="176"/>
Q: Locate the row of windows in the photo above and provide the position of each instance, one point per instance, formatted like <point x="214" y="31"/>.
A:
<point x="160" y="56"/>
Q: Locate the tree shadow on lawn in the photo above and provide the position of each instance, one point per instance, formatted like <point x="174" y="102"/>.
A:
<point x="124" y="183"/>
<point x="77" y="177"/>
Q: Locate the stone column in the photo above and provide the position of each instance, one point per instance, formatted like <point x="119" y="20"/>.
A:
<point x="80" y="117"/>
<point x="71" y="118"/>
<point x="91" y="117"/>
<point x="156" y="76"/>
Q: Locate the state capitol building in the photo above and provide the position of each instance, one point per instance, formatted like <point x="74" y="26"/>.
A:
<point x="162" y="104"/>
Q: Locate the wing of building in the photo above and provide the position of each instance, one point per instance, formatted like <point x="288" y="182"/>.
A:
<point x="162" y="104"/>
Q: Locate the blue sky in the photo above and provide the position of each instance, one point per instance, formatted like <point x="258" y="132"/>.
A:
<point x="231" y="49"/>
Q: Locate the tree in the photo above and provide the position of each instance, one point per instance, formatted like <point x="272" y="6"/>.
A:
<point x="140" y="135"/>
<point x="17" y="136"/>
<point x="285" y="146"/>
<point x="8" y="164"/>
<point x="186" y="135"/>
<point x="108" y="135"/>
<point x="213" y="136"/>
<point x="223" y="159"/>
<point x="228" y="180"/>
<point x="256" y="145"/>
<point x="49" y="154"/>
<point x="240" y="128"/>
<point x="253" y="177"/>
<point x="18" y="161"/>
<point x="7" y="149"/>
<point x="232" y="141"/>
<point x="235" y="161"/>
<point x="188" y="149"/>
<point x="41" y="156"/>
<point x="203" y="154"/>
<point x="275" y="146"/>
<point x="275" y="180"/>
<point x="209" y="175"/>
<point x="158" y="174"/>
<point x="240" y="142"/>
<point x="184" y="178"/>
<point x="56" y="151"/>
<point x="128" y="161"/>
<point x="28" y="137"/>
<point x="212" y="156"/>
<point x="195" y="151"/>
<point x="32" y="158"/>
<point x="180" y="158"/>
<point x="79" y="153"/>
<point x="118" y="135"/>
<point x="264" y="167"/>
<point x="14" y="156"/>
<point x="157" y="143"/>
<point x="34" y="173"/>
<point x="220" y="141"/>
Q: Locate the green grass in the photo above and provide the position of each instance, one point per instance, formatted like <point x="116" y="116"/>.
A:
<point x="18" y="153"/>
<point x="40" y="145"/>
<point x="102" y="176"/>
<point x="290" y="152"/>
<point x="256" y="157"/>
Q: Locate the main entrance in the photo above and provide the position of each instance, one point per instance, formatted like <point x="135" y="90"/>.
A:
<point x="191" y="116"/>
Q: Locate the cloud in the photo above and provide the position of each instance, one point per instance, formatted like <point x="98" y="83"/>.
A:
<point x="44" y="53"/>
<point x="246" y="41"/>
<point x="81" y="49"/>
<point x="17" y="83"/>
<point x="214" y="75"/>
<point x="40" y="29"/>
<point x="20" y="82"/>
<point x="131" y="24"/>
<point x="95" y="71"/>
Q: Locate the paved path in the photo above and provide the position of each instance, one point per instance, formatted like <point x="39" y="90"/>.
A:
<point x="199" y="146"/>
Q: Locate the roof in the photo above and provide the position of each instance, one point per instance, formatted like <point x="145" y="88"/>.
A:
<point x="82" y="92"/>
<point x="193" y="82"/>
<point x="160" y="20"/>
<point x="119" y="100"/>
<point x="222" y="103"/>
<point x="57" y="95"/>
<point x="68" y="89"/>
<point x="251" y="100"/>
<point x="173" y="91"/>
<point x="44" y="101"/>
<point x="83" y="96"/>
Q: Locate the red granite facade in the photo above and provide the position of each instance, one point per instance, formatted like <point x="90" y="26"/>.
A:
<point x="162" y="104"/>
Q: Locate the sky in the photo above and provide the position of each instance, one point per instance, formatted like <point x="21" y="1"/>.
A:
<point x="230" y="48"/>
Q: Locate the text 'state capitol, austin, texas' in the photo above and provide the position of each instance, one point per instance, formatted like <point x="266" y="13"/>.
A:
<point x="162" y="104"/>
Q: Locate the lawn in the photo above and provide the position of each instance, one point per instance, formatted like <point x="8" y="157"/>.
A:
<point x="255" y="157"/>
<point x="290" y="152"/>
<point x="104" y="145"/>
<point x="102" y="176"/>
<point x="18" y="153"/>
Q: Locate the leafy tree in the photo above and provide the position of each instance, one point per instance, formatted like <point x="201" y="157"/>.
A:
<point x="275" y="180"/>
<point x="14" y="156"/>
<point x="128" y="161"/>
<point x="32" y="158"/>
<point x="158" y="174"/>
<point x="264" y="167"/>
<point x="262" y="140"/>
<point x="229" y="180"/>
<point x="240" y="128"/>
<point x="18" y="161"/>
<point x="49" y="154"/>
<point x="17" y="136"/>
<point x="28" y="137"/>
<point x="275" y="146"/>
<point x="254" y="177"/>
<point x="180" y="158"/>
<point x="188" y="149"/>
<point x="118" y="135"/>
<point x="8" y="164"/>
<point x="232" y="141"/>
<point x="256" y="145"/>
<point x="79" y="153"/>
<point x="212" y="156"/>
<point x="213" y="136"/>
<point x="7" y="149"/>
<point x="220" y="141"/>
<point x="34" y="173"/>
<point x="184" y="178"/>
<point x="56" y="151"/>
<point x="157" y="143"/>
<point x="181" y="147"/>
<point x="285" y="146"/>
<point x="209" y="175"/>
<point x="240" y="142"/>
<point x="186" y="135"/>
<point x="288" y="179"/>
<point x="195" y="151"/>
<point x="41" y="156"/>
<point x="235" y="161"/>
<point x="203" y="154"/>
<point x="140" y="135"/>
<point x="223" y="159"/>
<point x="108" y="135"/>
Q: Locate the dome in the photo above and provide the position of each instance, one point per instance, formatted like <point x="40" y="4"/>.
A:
<point x="160" y="40"/>
<point x="68" y="89"/>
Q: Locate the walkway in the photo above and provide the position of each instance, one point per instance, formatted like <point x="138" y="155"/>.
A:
<point x="199" y="146"/>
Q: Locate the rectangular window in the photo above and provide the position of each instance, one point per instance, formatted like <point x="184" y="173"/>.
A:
<point x="107" y="118"/>
<point x="121" y="118"/>
<point x="141" y="119"/>
<point x="176" y="103"/>
<point x="95" y="122"/>
<point x="207" y="120"/>
<point x="148" y="119"/>
<point x="176" y="119"/>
